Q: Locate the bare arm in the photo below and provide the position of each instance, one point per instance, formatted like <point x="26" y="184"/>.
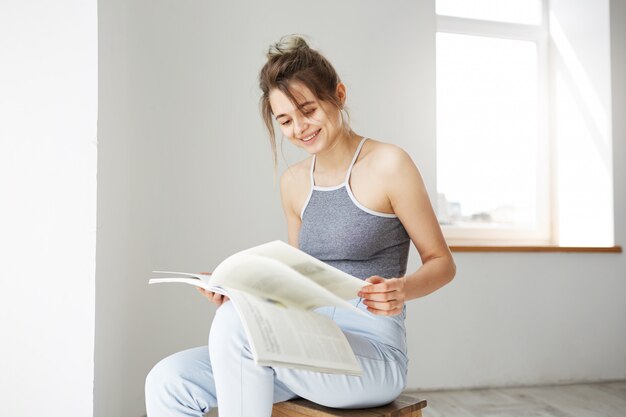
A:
<point x="409" y="199"/>
<point x="288" y="194"/>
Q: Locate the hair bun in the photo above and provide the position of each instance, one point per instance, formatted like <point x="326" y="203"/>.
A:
<point x="287" y="44"/>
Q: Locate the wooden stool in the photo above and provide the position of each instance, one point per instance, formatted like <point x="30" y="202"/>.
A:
<point x="404" y="406"/>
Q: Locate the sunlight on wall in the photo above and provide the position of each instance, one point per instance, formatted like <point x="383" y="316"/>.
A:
<point x="582" y="124"/>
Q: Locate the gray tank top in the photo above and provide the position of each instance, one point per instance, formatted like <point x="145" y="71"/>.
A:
<point x="340" y="231"/>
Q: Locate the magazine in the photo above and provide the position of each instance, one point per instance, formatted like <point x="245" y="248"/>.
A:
<point x="276" y="288"/>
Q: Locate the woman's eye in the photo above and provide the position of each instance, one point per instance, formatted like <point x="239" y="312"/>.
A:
<point x="285" y="123"/>
<point x="309" y="112"/>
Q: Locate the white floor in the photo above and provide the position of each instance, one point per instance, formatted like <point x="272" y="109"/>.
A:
<point x="607" y="399"/>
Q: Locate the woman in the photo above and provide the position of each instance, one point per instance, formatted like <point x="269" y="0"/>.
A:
<point x="356" y="204"/>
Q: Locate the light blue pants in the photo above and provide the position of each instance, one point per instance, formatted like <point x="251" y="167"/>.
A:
<point x="191" y="382"/>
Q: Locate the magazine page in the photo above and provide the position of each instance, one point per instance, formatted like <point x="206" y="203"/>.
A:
<point x="334" y="280"/>
<point x="293" y="338"/>
<point x="196" y="282"/>
<point x="271" y="279"/>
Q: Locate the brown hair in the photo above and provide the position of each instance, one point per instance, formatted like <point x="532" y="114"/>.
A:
<point x="292" y="60"/>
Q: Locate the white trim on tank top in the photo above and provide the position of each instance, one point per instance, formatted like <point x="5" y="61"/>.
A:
<point x="346" y="184"/>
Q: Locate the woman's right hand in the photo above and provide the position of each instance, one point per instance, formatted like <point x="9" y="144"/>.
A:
<point x="213" y="297"/>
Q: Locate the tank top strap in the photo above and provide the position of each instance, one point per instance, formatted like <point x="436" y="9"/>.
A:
<point x="311" y="171"/>
<point x="356" y="155"/>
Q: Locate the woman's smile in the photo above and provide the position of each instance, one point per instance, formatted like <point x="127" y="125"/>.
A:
<point x="311" y="137"/>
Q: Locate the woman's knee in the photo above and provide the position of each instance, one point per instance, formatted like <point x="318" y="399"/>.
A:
<point x="167" y="375"/>
<point x="181" y="384"/>
<point x="158" y="388"/>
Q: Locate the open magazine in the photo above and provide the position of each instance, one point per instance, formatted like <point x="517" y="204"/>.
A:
<point x="275" y="288"/>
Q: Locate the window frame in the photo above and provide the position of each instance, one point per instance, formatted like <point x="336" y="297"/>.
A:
<point x="543" y="233"/>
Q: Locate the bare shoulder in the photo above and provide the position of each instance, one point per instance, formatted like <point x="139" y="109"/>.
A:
<point x="292" y="192"/>
<point x="295" y="175"/>
<point x="294" y="185"/>
<point x="387" y="159"/>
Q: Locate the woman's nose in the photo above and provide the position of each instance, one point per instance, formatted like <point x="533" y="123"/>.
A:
<point x="299" y="124"/>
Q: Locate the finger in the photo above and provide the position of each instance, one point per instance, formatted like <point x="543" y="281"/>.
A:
<point x="373" y="288"/>
<point x="223" y="300"/>
<point x="387" y="285"/>
<point x="393" y="312"/>
<point x="375" y="279"/>
<point x="383" y="305"/>
<point x="376" y="288"/>
<point x="381" y="296"/>
<point x="217" y="298"/>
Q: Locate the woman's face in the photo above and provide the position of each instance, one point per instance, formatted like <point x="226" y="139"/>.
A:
<point x="311" y="124"/>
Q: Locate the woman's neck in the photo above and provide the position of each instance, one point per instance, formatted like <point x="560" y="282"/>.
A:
<point x="338" y="156"/>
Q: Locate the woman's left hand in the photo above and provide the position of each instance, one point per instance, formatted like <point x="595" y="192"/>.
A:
<point x="384" y="297"/>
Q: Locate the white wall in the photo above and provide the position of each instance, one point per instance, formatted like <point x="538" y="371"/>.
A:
<point x="48" y="116"/>
<point x="186" y="179"/>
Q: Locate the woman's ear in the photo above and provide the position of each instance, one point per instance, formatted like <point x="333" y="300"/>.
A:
<point x="341" y="93"/>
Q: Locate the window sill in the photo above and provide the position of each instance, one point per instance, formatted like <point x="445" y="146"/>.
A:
<point x="579" y="249"/>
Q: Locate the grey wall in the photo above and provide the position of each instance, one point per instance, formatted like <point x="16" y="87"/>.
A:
<point x="185" y="178"/>
<point x="185" y="171"/>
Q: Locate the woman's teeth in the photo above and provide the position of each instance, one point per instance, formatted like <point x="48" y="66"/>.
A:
<point x="308" y="138"/>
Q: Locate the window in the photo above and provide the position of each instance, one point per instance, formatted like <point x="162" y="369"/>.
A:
<point x="503" y="141"/>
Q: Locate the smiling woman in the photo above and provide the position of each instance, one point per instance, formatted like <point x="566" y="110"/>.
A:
<point x="354" y="203"/>
<point x="313" y="94"/>
<point x="303" y="123"/>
